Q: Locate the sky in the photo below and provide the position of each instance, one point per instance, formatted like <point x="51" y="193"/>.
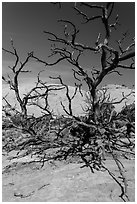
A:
<point x="25" y="22"/>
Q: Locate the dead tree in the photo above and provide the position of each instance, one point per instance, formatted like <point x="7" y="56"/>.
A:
<point x="102" y="137"/>
<point x="70" y="50"/>
<point x="93" y="139"/>
<point x="36" y="96"/>
<point x="35" y="93"/>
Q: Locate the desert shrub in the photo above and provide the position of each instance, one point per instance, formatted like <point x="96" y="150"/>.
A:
<point x="10" y="139"/>
<point x="128" y="112"/>
<point x="6" y="123"/>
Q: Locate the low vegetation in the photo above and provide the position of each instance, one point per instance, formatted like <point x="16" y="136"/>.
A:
<point x="102" y="133"/>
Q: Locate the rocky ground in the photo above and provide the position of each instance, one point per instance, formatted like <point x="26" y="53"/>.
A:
<point x="62" y="182"/>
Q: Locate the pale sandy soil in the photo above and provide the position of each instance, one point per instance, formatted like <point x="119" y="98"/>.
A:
<point x="63" y="182"/>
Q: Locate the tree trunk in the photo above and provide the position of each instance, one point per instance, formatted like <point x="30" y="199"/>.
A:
<point x="95" y="105"/>
<point x="23" y="111"/>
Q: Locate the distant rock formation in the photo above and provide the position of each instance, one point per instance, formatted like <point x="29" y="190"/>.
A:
<point x="116" y="92"/>
<point x="78" y="103"/>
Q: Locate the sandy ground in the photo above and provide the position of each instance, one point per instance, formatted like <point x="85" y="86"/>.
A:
<point x="63" y="182"/>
